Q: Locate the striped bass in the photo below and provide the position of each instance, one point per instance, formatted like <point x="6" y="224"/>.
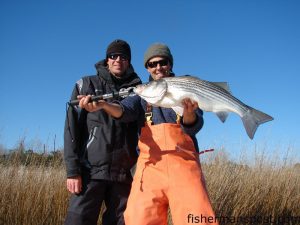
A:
<point x="213" y="97"/>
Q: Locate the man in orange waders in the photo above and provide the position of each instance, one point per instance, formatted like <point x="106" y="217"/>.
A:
<point x="168" y="172"/>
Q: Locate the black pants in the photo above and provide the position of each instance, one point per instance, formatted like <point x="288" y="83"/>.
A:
<point x="84" y="208"/>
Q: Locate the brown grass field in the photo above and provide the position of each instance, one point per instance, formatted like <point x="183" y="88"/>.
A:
<point x="265" y="192"/>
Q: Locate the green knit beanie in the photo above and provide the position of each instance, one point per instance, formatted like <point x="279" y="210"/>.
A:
<point x="158" y="49"/>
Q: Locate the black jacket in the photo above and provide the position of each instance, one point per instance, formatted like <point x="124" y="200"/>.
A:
<point x="95" y="142"/>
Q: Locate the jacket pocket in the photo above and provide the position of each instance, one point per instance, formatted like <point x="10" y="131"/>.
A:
<point x="92" y="137"/>
<point x="99" y="147"/>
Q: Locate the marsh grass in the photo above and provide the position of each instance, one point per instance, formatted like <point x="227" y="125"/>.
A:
<point x="267" y="189"/>
<point x="34" y="192"/>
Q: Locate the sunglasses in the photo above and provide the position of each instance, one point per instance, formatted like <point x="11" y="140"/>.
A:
<point x="116" y="55"/>
<point x="162" y="62"/>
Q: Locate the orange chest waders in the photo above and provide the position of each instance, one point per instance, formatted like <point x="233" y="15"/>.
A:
<point x="168" y="174"/>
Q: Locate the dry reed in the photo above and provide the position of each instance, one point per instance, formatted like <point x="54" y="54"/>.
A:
<point x="266" y="192"/>
<point x="32" y="195"/>
<point x="35" y="194"/>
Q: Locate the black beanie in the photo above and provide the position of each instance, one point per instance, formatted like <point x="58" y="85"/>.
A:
<point x="119" y="46"/>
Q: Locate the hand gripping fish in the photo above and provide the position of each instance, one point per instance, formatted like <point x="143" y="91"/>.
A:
<point x="211" y="97"/>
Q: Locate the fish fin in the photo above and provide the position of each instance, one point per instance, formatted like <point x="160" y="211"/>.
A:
<point x="252" y="119"/>
<point x="222" y="116"/>
<point x="223" y="85"/>
<point x="178" y="110"/>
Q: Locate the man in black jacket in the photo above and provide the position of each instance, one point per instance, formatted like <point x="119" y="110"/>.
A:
<point x="98" y="150"/>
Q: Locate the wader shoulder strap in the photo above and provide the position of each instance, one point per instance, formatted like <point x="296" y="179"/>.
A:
<point x="178" y="118"/>
<point x="149" y="115"/>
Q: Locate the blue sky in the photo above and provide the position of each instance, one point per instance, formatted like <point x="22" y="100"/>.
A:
<point x="46" y="46"/>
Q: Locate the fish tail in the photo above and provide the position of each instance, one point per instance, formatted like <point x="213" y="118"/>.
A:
<point x="252" y="119"/>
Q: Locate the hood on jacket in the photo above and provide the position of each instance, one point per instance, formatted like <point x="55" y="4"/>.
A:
<point x="130" y="78"/>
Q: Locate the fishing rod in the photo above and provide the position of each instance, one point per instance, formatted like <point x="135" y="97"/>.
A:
<point x="124" y="92"/>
